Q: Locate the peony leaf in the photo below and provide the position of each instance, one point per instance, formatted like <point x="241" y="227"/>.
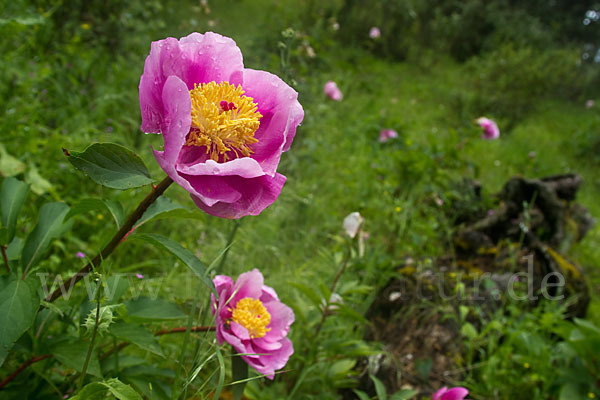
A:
<point x="146" y="309"/>
<point x="12" y="197"/>
<point x="114" y="207"/>
<point x="73" y="353"/>
<point x="120" y="390"/>
<point x="184" y="255"/>
<point x="49" y="226"/>
<point x="137" y="335"/>
<point x="111" y="165"/>
<point x="19" y="303"/>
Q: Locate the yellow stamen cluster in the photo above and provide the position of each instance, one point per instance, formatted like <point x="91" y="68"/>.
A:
<point x="252" y="315"/>
<point x="223" y="120"/>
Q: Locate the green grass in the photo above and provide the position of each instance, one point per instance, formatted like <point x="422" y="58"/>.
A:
<point x="82" y="94"/>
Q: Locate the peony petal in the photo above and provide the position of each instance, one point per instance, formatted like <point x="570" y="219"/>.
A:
<point x="438" y="395"/>
<point x="268" y="294"/>
<point x="239" y="331"/>
<point x="207" y="57"/>
<point x="152" y="82"/>
<point x="177" y="117"/>
<point x="457" y="393"/>
<point x="276" y="359"/>
<point x="248" y="284"/>
<point x="282" y="113"/>
<point x="281" y="318"/>
<point x="245" y="167"/>
<point x="256" y="195"/>
<point x="264" y="346"/>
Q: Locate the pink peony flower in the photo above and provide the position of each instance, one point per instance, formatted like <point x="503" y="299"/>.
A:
<point x="332" y="91"/>
<point x="490" y="129"/>
<point x="250" y="317"/>
<point x="457" y="393"/>
<point x="224" y="126"/>
<point x="374" y="33"/>
<point x="79" y="254"/>
<point x="386" y="134"/>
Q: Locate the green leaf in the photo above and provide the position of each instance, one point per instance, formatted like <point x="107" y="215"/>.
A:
<point x="571" y="391"/>
<point x="146" y="309"/>
<point x="120" y="390"/>
<point x="137" y="335"/>
<point x="9" y="165"/>
<point x="342" y="367"/>
<point x="160" y="206"/>
<point x="73" y="354"/>
<point x="379" y="388"/>
<point x="468" y="331"/>
<point x="116" y="286"/>
<point x="239" y="373"/>
<point x="12" y="197"/>
<point x="111" y="165"/>
<point x="184" y="255"/>
<point x="361" y="395"/>
<point x="91" y="391"/>
<point x="14" y="249"/>
<point x="48" y="227"/>
<point x="87" y="205"/>
<point x="99" y="390"/>
<point x="423" y="368"/>
<point x="404" y="394"/>
<point x="39" y="185"/>
<point x="19" y="303"/>
<point x="116" y="210"/>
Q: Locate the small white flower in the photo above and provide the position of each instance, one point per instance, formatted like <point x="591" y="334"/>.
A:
<point x="352" y="223"/>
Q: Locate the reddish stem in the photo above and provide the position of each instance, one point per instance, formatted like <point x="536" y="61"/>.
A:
<point x="116" y="239"/>
<point x="22" y="367"/>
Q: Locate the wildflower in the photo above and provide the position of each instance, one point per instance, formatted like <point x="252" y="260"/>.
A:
<point x="224" y="126"/>
<point x="139" y="276"/>
<point x="332" y="91"/>
<point x="531" y="155"/>
<point x="589" y="103"/>
<point x="374" y="33"/>
<point x="250" y="317"/>
<point x="352" y="223"/>
<point x="80" y="254"/>
<point x="457" y="393"/>
<point x="386" y="134"/>
<point x="490" y="129"/>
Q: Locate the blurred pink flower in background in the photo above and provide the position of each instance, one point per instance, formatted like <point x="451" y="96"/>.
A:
<point x="374" y="33"/>
<point x="457" y="393"/>
<point x="139" y="276"/>
<point x="224" y="126"/>
<point x="531" y="154"/>
<point x="80" y="254"/>
<point x="589" y="103"/>
<point x="490" y="129"/>
<point x="250" y="317"/>
<point x="332" y="91"/>
<point x="386" y="134"/>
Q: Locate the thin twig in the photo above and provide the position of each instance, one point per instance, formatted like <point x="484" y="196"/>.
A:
<point x="94" y="332"/>
<point x="116" y="239"/>
<point x="331" y="291"/>
<point x="26" y="364"/>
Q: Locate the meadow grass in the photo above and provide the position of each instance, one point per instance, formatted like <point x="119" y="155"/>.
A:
<point x="82" y="94"/>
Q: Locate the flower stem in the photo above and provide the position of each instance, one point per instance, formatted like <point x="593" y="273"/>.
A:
<point x="94" y="332"/>
<point x="331" y="291"/>
<point x="236" y="225"/>
<point x="116" y="239"/>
